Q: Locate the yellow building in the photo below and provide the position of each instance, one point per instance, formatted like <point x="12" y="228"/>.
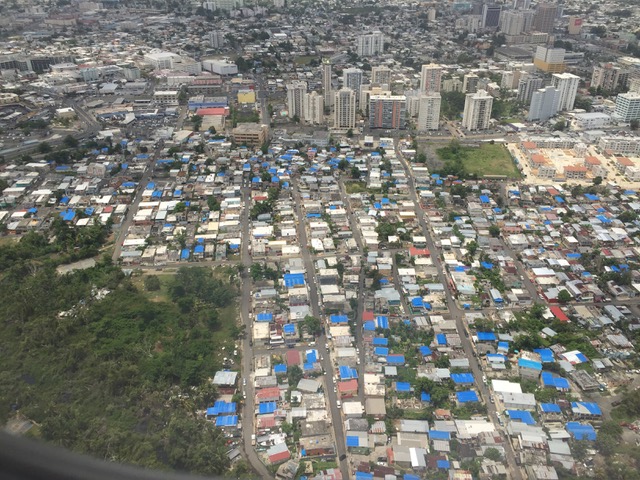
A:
<point x="246" y="96"/>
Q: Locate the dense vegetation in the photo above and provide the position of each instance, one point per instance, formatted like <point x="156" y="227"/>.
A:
<point x="101" y="369"/>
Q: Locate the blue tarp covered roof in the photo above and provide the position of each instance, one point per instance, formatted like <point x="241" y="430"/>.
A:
<point x="227" y="421"/>
<point x="185" y="254"/>
<point x="369" y="326"/>
<point x="486" y="337"/>
<point x="581" y="431"/>
<point x="550" y="408"/>
<point x="199" y="249"/>
<point x="504" y="346"/>
<point x="347" y="373"/>
<point x="439" y="435"/>
<point x="264" y="317"/>
<point x="403" y="386"/>
<point x="591" y="407"/>
<point x="546" y="355"/>
<point x="293" y="279"/>
<point x="521" y="416"/>
<point x="441" y="338"/>
<point x="417" y="302"/>
<point x="487" y="265"/>
<point x="221" y="407"/>
<point x="68" y="215"/>
<point x="444" y="464"/>
<point x="382" y="321"/>
<point x="550" y="380"/>
<point x="353" y="441"/>
<point x="462" y="378"/>
<point x="496" y="356"/>
<point x="307" y="366"/>
<point x="424" y="351"/>
<point x="289" y="328"/>
<point x="484" y="199"/>
<point x="395" y="359"/>
<point x="425" y="397"/>
<point x="267" y="407"/>
<point x="466" y="397"/>
<point x="592" y="197"/>
<point x="381" y="351"/>
<point x="381" y="341"/>
<point x="338" y="319"/>
<point x="280" y="368"/>
<point x="532" y="364"/>
<point x="364" y="476"/>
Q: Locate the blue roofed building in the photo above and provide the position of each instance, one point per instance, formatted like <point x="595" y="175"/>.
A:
<point x="586" y="410"/>
<point x="529" y="368"/>
<point x="581" y="431"/>
<point x="468" y="396"/>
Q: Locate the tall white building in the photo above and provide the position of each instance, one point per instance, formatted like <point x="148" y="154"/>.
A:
<point x="567" y="85"/>
<point x="327" y="90"/>
<point x="544" y="104"/>
<point x="477" y="110"/>
<point x="628" y="106"/>
<point x="370" y="44"/>
<point x="430" y="78"/>
<point x="470" y="83"/>
<point x="526" y="86"/>
<point x="352" y="79"/>
<point x="216" y="39"/>
<point x="429" y="113"/>
<point x="296" y="92"/>
<point x="313" y="108"/>
<point x="226" y="5"/>
<point x="381" y="75"/>
<point x="345" y="109"/>
<point x="513" y="22"/>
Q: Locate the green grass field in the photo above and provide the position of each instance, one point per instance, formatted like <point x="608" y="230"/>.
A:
<point x="304" y="59"/>
<point x="487" y="159"/>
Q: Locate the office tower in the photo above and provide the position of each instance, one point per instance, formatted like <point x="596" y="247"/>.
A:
<point x="544" y="104"/>
<point x="545" y="17"/>
<point x="634" y="82"/>
<point x="609" y="77"/>
<point x="521" y="4"/>
<point x="512" y="23"/>
<point x="381" y="75"/>
<point x="345" y="109"/>
<point x="550" y="60"/>
<point x="226" y="5"/>
<point x="526" y="86"/>
<point x="295" y="98"/>
<point x="491" y="15"/>
<point x="352" y="79"/>
<point x="628" y="106"/>
<point x="413" y="102"/>
<point x="567" y="85"/>
<point x="216" y="39"/>
<point x="477" y="110"/>
<point x="429" y="113"/>
<point x="430" y="78"/>
<point x="470" y="84"/>
<point x="387" y="111"/>
<point x="313" y="108"/>
<point x="575" y="25"/>
<point x="370" y="44"/>
<point x="327" y="91"/>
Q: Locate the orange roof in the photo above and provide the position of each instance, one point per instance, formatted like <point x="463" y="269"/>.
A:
<point x="348" y="386"/>
<point x="575" y="168"/>
<point x="269" y="392"/>
<point x="419" y="252"/>
<point x="529" y="145"/>
<point x="538" y="158"/>
<point x="624" y="161"/>
<point x="224" y="111"/>
<point x="592" y="161"/>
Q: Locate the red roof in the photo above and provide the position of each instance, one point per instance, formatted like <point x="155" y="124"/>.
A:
<point x="270" y="392"/>
<point x="367" y="315"/>
<point x="559" y="314"/>
<point x="348" y="386"/>
<point x="266" y="421"/>
<point x="419" y="252"/>
<point x="280" y="457"/>
<point x="213" y="111"/>
<point x="293" y="357"/>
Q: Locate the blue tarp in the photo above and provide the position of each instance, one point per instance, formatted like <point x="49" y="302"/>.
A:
<point x="395" y="359"/>
<point x="424" y="351"/>
<point x="369" y="326"/>
<point x="353" y="441"/>
<point x="592" y="197"/>
<point x="280" y="368"/>
<point x="521" y="416"/>
<point x="221" y="407"/>
<point x="312" y="356"/>
<point x="128" y="184"/>
<point x="487" y="265"/>
<point x="486" y="337"/>
<point x="591" y="407"/>
<point x="439" y="435"/>
<point x="503" y="346"/>
<point x="307" y="366"/>
<point x="531" y="364"/>
<point x="267" y="407"/>
<point x="573" y="255"/>
<point x="382" y="341"/>
<point x="381" y="351"/>
<point x="289" y="329"/>
<point x="444" y="464"/>
<point x="185" y="254"/>
<point x="338" y="319"/>
<point x="603" y="219"/>
<point x="403" y="386"/>
<point x="227" y="421"/>
<point x="382" y="321"/>
<point x="558" y="199"/>
<point x="484" y="199"/>
<point x="468" y="396"/>
<point x="546" y="355"/>
<point x="549" y="380"/>
<point x="417" y="302"/>
<point x="460" y="378"/>
<point x="347" y="373"/>
<point x="364" y="476"/>
<point x="425" y="397"/>
<point x="496" y="356"/>
<point x="293" y="279"/>
<point x="581" y="431"/>
<point x="441" y="338"/>
<point x="199" y="249"/>
<point x="264" y="317"/>
<point x="68" y="215"/>
<point x="550" y="408"/>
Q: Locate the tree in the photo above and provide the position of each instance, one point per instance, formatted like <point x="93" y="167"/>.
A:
<point x="151" y="283"/>
<point x="294" y="375"/>
<point x="560" y="125"/>
<point x="312" y="325"/>
<point x="634" y="124"/>
<point x="350" y="133"/>
<point x="355" y="173"/>
<point x="493" y="454"/>
<point x="343" y="164"/>
<point x="494" y="230"/>
<point x="564" y="296"/>
<point x="70" y="141"/>
<point x="44" y="147"/>
<point x="597" y="180"/>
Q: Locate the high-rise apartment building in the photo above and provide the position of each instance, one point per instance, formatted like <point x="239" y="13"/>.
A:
<point x="313" y="108"/>
<point x="295" y="98"/>
<point x="345" y="109"/>
<point x="381" y="75"/>
<point x="365" y="93"/>
<point x="609" y="76"/>
<point x="491" y="15"/>
<point x="628" y="106"/>
<point x="470" y="83"/>
<point x="327" y="90"/>
<point x="526" y="86"/>
<point x="429" y="112"/>
<point x="477" y="110"/>
<point x="453" y="84"/>
<point x="550" y="60"/>
<point x="352" y="79"/>
<point x="370" y="44"/>
<point x="512" y="22"/>
<point x="567" y="85"/>
<point x="216" y="39"/>
<point x="544" y="104"/>
<point x="387" y="111"/>
<point x="545" y="17"/>
<point x="430" y="78"/>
